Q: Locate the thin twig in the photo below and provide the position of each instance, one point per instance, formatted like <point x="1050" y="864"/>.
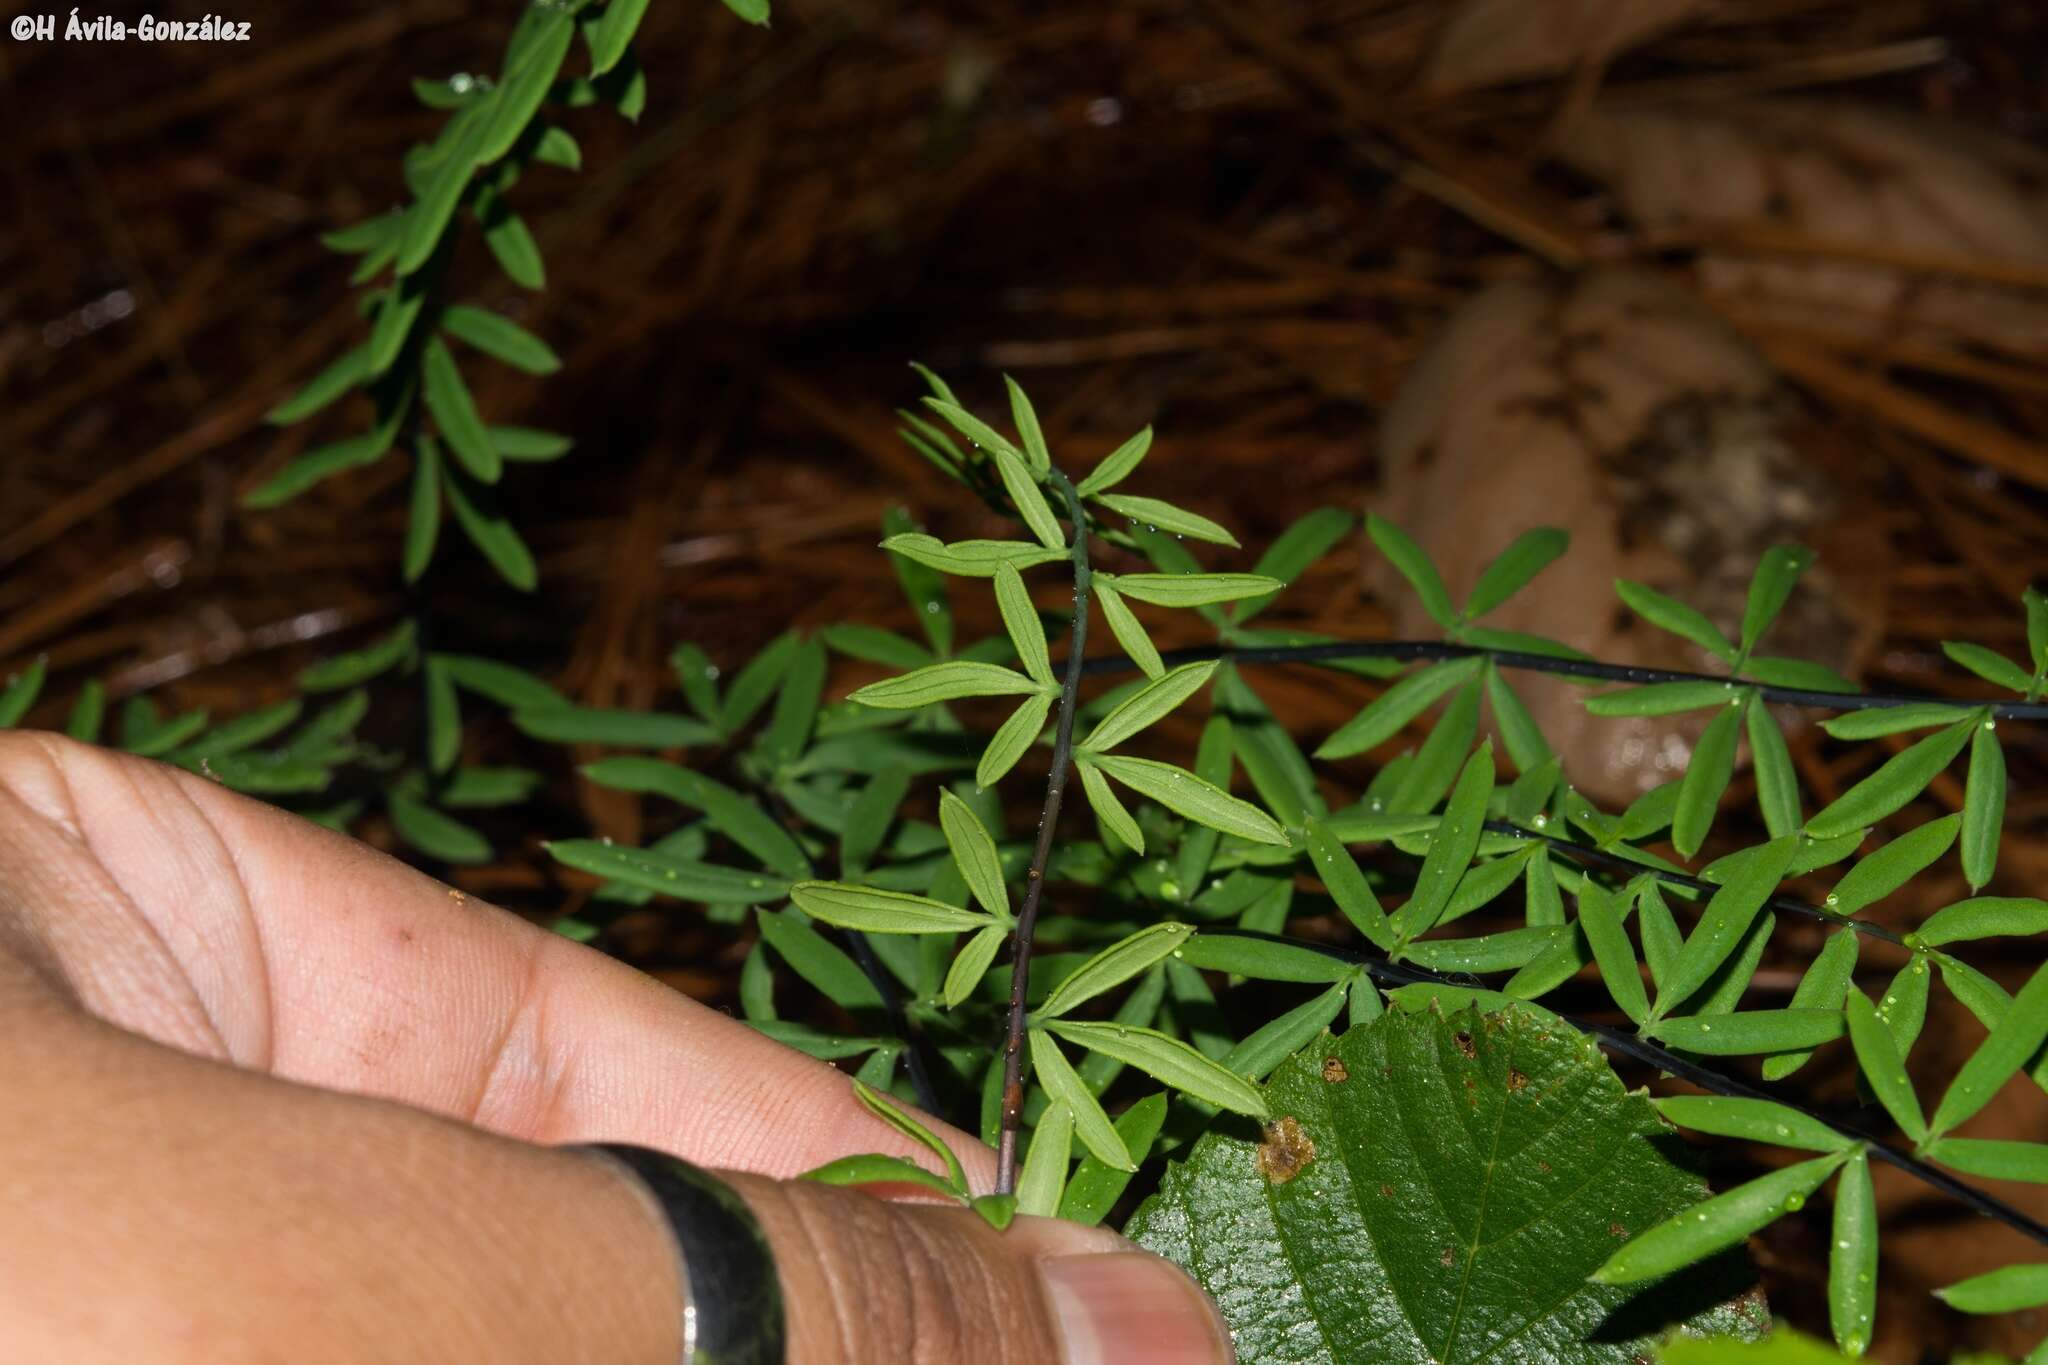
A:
<point x="1714" y="1082"/>
<point x="1545" y="663"/>
<point x="1048" y="820"/>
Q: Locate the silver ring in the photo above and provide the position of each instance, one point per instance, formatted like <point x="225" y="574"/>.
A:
<point x="732" y="1298"/>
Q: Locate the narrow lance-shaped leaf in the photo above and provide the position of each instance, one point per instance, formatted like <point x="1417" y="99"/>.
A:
<point x="1661" y="699"/>
<point x="1167" y="517"/>
<point x="1148" y="706"/>
<point x="1989" y="665"/>
<point x="444" y="717"/>
<point x="1030" y="503"/>
<point x="1600" y="917"/>
<point x="434" y="833"/>
<point x="501" y="338"/>
<point x="755" y="683"/>
<point x="1012" y="739"/>
<point x="1893" y="865"/>
<point x="1752" y="878"/>
<point x="2037" y="630"/>
<point x="1512" y="569"/>
<point x="1983" y="805"/>
<point x="1128" y="630"/>
<point x="1108" y="809"/>
<point x="2014" y="1039"/>
<point x="1026" y="418"/>
<point x="609" y="35"/>
<point x="945" y="682"/>
<point x="1877" y="721"/>
<point x="1044" y="1176"/>
<point x="600" y="725"/>
<point x="881" y="912"/>
<point x="1904" y="776"/>
<point x="1824" y="986"/>
<point x="1450" y="852"/>
<point x="1983" y="917"/>
<point x="1115" y="965"/>
<point x="1066" y="1088"/>
<point x="1852" y="1257"/>
<point x="1280" y="1038"/>
<point x="423" y="520"/>
<point x="974" y="852"/>
<point x="1718" y="1223"/>
<point x="1117" y="465"/>
<point x="1415" y="566"/>
<point x="1394" y="708"/>
<point x="1999" y="1291"/>
<point x="342" y="374"/>
<point x="1185" y="794"/>
<point x="1883" y="1067"/>
<point x="1168" y="1060"/>
<point x="1993" y="1158"/>
<point x="1706" y="777"/>
<point x="972" y="964"/>
<point x="1096" y="1186"/>
<point x="1667" y="613"/>
<point x="531" y="66"/>
<point x="1263" y="959"/>
<point x="1293" y="551"/>
<point x="816" y="960"/>
<point x="683" y="878"/>
<point x="20" y="692"/>
<point x="1776" y="573"/>
<point x="1752" y="1120"/>
<point x="1347" y="885"/>
<point x="1519" y="733"/>
<point x="1020" y="618"/>
<point x="876" y="1169"/>
<point x="487" y="527"/>
<point x="1777" y="785"/>
<point x="1193" y="589"/>
<point x="969" y="558"/>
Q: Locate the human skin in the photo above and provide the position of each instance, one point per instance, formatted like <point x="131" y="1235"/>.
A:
<point x="271" y="1095"/>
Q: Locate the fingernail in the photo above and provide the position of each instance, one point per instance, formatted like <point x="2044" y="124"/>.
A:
<point x="1131" y="1308"/>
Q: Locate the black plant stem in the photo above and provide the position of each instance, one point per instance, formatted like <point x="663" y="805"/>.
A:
<point x="1048" y="821"/>
<point x="1714" y="1082"/>
<point x="1338" y="651"/>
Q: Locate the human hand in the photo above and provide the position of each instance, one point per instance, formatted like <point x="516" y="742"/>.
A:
<point x="269" y="1087"/>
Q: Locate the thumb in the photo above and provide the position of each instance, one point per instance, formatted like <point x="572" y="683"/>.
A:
<point x="864" y="1279"/>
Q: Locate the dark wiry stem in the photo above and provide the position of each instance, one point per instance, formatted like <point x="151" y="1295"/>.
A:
<point x="1048" y="820"/>
<point x="1545" y="663"/>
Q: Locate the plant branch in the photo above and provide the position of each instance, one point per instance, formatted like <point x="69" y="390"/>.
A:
<point x="1048" y="820"/>
<point x="1594" y="669"/>
<point x="1714" y="1082"/>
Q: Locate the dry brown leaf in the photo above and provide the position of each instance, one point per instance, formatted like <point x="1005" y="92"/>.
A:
<point x="1488" y="42"/>
<point x="1617" y="408"/>
<point x="1837" y="217"/>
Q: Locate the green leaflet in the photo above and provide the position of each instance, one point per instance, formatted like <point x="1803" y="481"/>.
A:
<point x="423" y="519"/>
<point x="1044" y="1176"/>
<point x="88" y="713"/>
<point x="1508" y="950"/>
<point x="609" y="34"/>
<point x="1415" y="566"/>
<point x="1263" y="959"/>
<point x="345" y="670"/>
<point x="1108" y="808"/>
<point x="1128" y="630"/>
<point x="1989" y="665"/>
<point x="2037" y="628"/>
<point x="1876" y="721"/>
<point x="973" y="428"/>
<point x="1095" y="1187"/>
<point x="893" y="1114"/>
<point x="1117" y="465"/>
<point x="597" y="725"/>
<point x="342" y="374"/>
<point x="1020" y="618"/>
<point x="1339" y="872"/>
<point x="882" y="912"/>
<point x="1065" y="1088"/>
<point x="1113" y="966"/>
<point x="970" y="558"/>
<point x="735" y="816"/>
<point x="1519" y="733"/>
<point x="1326" y="1243"/>
<point x="1777" y="785"/>
<point x="1442" y="754"/>
<point x="876" y="1169"/>
<point x="2014" y="1039"/>
<point x="1281" y="1037"/>
<point x="1883" y="1067"/>
<point x="817" y="961"/>
<point x="1902" y="778"/>
<point x="21" y="690"/>
<point x="484" y="522"/>
<point x="1511" y="570"/>
<point x="1026" y="418"/>
<point x="1450" y="851"/>
<point x="1824" y="986"/>
<point x="1167" y="517"/>
<point x="683" y="878"/>
<point x="433" y="833"/>
<point x="1292" y="551"/>
<point x="528" y="445"/>
<point x="1852" y="1257"/>
<point x="1278" y="772"/>
<point x="531" y="63"/>
<point x="1751" y="1031"/>
<point x="444" y="717"/>
<point x="1661" y="699"/>
<point x="1148" y="706"/>
<point x="876" y="646"/>
<point x="315" y="465"/>
<point x="1393" y="709"/>
<point x="758" y="681"/>
<point x="500" y="338"/>
<point x="1011" y="739"/>
<point x="1776" y="573"/>
<point x="1753" y="877"/>
<point x="1668" y="613"/>
<point x="1185" y="794"/>
<point x="975" y="854"/>
<point x="1983" y="917"/>
<point x="1983" y="805"/>
<point x="1994" y="1159"/>
<point x="1167" y="1060"/>
<point x="1717" y="1224"/>
<point x="945" y="682"/>
<point x="972" y="964"/>
<point x="1706" y="776"/>
<point x="1999" y="1291"/>
<point x="1023" y="491"/>
<point x="1752" y="1121"/>
<point x="1600" y="917"/>
<point x="1193" y="589"/>
<point x="500" y="682"/>
<point x="1893" y="865"/>
<point x="796" y="705"/>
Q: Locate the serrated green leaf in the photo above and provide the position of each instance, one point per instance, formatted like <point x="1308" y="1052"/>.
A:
<point x="1020" y="619"/>
<point x="1667" y="613"/>
<point x="2014" y="1039"/>
<point x="1044" y="1176"/>
<point x="683" y="878"/>
<point x="1661" y="699"/>
<point x="1181" y="792"/>
<point x="1415" y="566"/>
<point x="1116" y="466"/>
<point x="1191" y="589"/>
<point x="972" y="964"/>
<point x="1113" y="966"/>
<point x="1983" y="806"/>
<point x="945" y="682"/>
<point x="1064" y="1086"/>
<point x="1167" y="517"/>
<point x="501" y="338"/>
<point x="1718" y="1223"/>
<point x="1148" y="705"/>
<point x="1776" y="573"/>
<point x="1388" y="713"/>
<point x="970" y="558"/>
<point x="881" y="912"/>
<point x="1167" y="1060"/>
<point x="1328" y="1243"/>
<point x="21" y="691"/>
<point x="1752" y="1120"/>
<point x="1706" y="777"/>
<point x="1989" y="665"/>
<point x="1904" y="776"/>
<point x="1882" y="1066"/>
<point x="1510" y="571"/>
